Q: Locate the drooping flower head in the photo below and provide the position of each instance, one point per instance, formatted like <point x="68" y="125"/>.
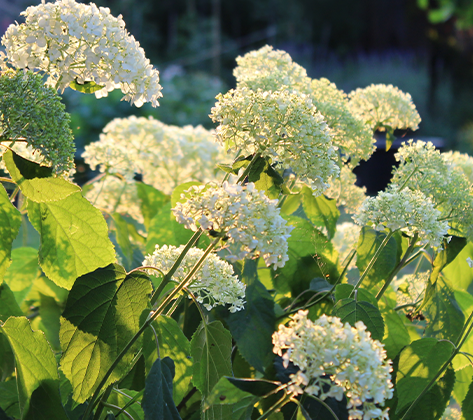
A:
<point x="33" y="113"/>
<point x="249" y="221"/>
<point x="384" y="107"/>
<point x="410" y="211"/>
<point x="282" y="126"/>
<point x="335" y="360"/>
<point x="75" y="42"/>
<point x="213" y="284"/>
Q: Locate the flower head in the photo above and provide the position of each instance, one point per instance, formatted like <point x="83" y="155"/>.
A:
<point x="75" y="42"/>
<point x="33" y="113"/>
<point x="213" y="284"/>
<point x="248" y="220"/>
<point x="345" y="191"/>
<point x="280" y="125"/>
<point x="345" y="240"/>
<point x="336" y="359"/>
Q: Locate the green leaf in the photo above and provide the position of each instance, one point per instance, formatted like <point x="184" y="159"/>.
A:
<point x="291" y="204"/>
<point x="35" y="181"/>
<point x="368" y="243"/>
<point x="74" y="238"/>
<point x="310" y="254"/>
<point x="151" y="201"/>
<point x="157" y="400"/>
<point x="396" y="335"/>
<point x="321" y="211"/>
<point x="351" y="311"/>
<point x="176" y="193"/>
<point x="256" y="387"/>
<point x="418" y="364"/>
<point x="266" y="178"/>
<point x="463" y="379"/>
<point x="8" y="305"/>
<point x="458" y="271"/>
<point x="101" y="316"/>
<point x="225" y="393"/>
<point x="320" y="285"/>
<point x="36" y="371"/>
<point x="50" y="313"/>
<point x="389" y="138"/>
<point x="123" y="239"/>
<point x="465" y="301"/>
<point x="172" y="343"/>
<point x="160" y="231"/>
<point x="86" y="87"/>
<point x="121" y="400"/>
<point x="9" y="398"/>
<point x="23" y="271"/>
<point x="467" y="404"/>
<point x="10" y="221"/>
<point x="343" y="291"/>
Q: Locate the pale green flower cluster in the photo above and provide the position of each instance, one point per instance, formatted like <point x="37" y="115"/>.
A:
<point x="336" y="360"/>
<point x="384" y="107"/>
<point x="410" y="288"/>
<point x="344" y="190"/>
<point x="462" y="160"/>
<point x="345" y="240"/>
<point x="410" y="211"/>
<point x="33" y="113"/>
<point x="164" y="155"/>
<point x="441" y="179"/>
<point x="73" y="41"/>
<point x="114" y="195"/>
<point x="248" y="221"/>
<point x="280" y="125"/>
<point x="213" y="284"/>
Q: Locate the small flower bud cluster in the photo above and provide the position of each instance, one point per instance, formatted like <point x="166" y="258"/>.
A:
<point x="410" y="211"/>
<point x="384" y="106"/>
<point x="73" y="41"/>
<point x="33" y="113"/>
<point x="345" y="240"/>
<point x="336" y="360"/>
<point x="248" y="221"/>
<point x="280" y="125"/>
<point x="213" y="284"/>
<point x="344" y="190"/>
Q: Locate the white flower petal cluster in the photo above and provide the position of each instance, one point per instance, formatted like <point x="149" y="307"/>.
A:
<point x="462" y="160"/>
<point x="410" y="288"/>
<point x="280" y="125"/>
<point x="73" y="41"/>
<point x="344" y="190"/>
<point x="249" y="220"/>
<point x="213" y="284"/>
<point x="345" y="240"/>
<point x="384" y="106"/>
<point x="164" y="155"/>
<point x="410" y="211"/>
<point x="341" y="357"/>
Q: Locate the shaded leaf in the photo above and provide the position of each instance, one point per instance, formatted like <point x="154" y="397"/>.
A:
<point x="256" y="387"/>
<point x="467" y="404"/>
<point x="8" y="305"/>
<point x="320" y="285"/>
<point x="343" y="291"/>
<point x="266" y="178"/>
<point x="224" y="392"/>
<point x="396" y="335"/>
<point x="50" y="313"/>
<point x="121" y="400"/>
<point x="9" y="398"/>
<point x="151" y="201"/>
<point x="321" y="211"/>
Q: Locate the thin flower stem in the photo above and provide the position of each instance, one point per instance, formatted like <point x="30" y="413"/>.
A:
<point x="276" y="406"/>
<point x="9" y="180"/>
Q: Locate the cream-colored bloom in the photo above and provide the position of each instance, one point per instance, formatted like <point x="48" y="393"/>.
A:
<point x="344" y="190"/>
<point x="213" y="284"/>
<point x="73" y="41"/>
<point x="345" y="241"/>
<point x="461" y="160"/>
<point x="282" y="126"/>
<point x="249" y="221"/>
<point x="336" y="359"/>
<point x="410" y="288"/>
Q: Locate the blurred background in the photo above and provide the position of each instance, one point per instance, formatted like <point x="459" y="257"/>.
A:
<point x="425" y="47"/>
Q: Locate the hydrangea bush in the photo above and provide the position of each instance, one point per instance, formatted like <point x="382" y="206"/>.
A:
<point x="186" y="282"/>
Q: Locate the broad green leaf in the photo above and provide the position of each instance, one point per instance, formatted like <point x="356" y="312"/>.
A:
<point x="157" y="400"/>
<point x="101" y="316"/>
<point x="7" y="359"/>
<point x="120" y="400"/>
<point x="74" y="238"/>
<point x="243" y="409"/>
<point x="211" y="348"/>
<point x="151" y="201"/>
<point x="467" y="404"/>
<point x="343" y="291"/>
<point x="86" y="87"/>
<point x="313" y="409"/>
<point x="351" y="311"/>
<point x="418" y="364"/>
<point x="291" y="204"/>
<point x="50" y="313"/>
<point x="35" y="181"/>
<point x="444" y="317"/>
<point x="396" y="335"/>
<point x="224" y="392"/>
<point x="172" y="343"/>
<point x="256" y="387"/>
<point x="369" y="242"/>
<point x="8" y="305"/>
<point x="160" y="231"/>
<point x="253" y="326"/>
<point x="266" y="178"/>
<point x="310" y="254"/>
<point x="458" y="271"/>
<point x="9" y="398"/>
<point x="463" y="380"/>
<point x="10" y="221"/>
<point x="465" y="301"/>
<point x="321" y="211"/>
<point x="23" y="271"/>
<point x="320" y="285"/>
<point x="36" y="371"/>
<point x="123" y="239"/>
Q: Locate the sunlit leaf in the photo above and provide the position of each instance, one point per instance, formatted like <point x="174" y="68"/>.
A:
<point x="86" y="87"/>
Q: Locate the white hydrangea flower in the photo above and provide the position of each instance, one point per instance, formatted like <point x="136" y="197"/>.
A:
<point x="113" y="195"/>
<point x="345" y="240"/>
<point x="73" y="41"/>
<point x="384" y="106"/>
<point x="283" y="126"/>
<point x="410" y="211"/>
<point x="342" y="357"/>
<point x="213" y="284"/>
<point x="410" y="288"/>
<point x="344" y="190"/>
<point x="164" y="155"/>
<point x="249" y="221"/>
<point x="462" y="160"/>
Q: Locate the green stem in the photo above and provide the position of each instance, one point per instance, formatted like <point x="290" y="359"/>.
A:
<point x="247" y="170"/>
<point x="9" y="180"/>
<point x="121" y="410"/>
<point x="129" y="403"/>
<point x="103" y="401"/>
<point x="276" y="406"/>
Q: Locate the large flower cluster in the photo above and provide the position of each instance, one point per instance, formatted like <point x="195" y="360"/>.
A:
<point x="345" y="240"/>
<point x="336" y="359"/>
<point x="461" y="160"/>
<point x="345" y="191"/>
<point x="249" y="221"/>
<point x="213" y="284"/>
<point x="33" y="113"/>
<point x="384" y="106"/>
<point x="280" y="125"/>
<point x="407" y="210"/>
<point x="75" y="42"/>
<point x="164" y="155"/>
